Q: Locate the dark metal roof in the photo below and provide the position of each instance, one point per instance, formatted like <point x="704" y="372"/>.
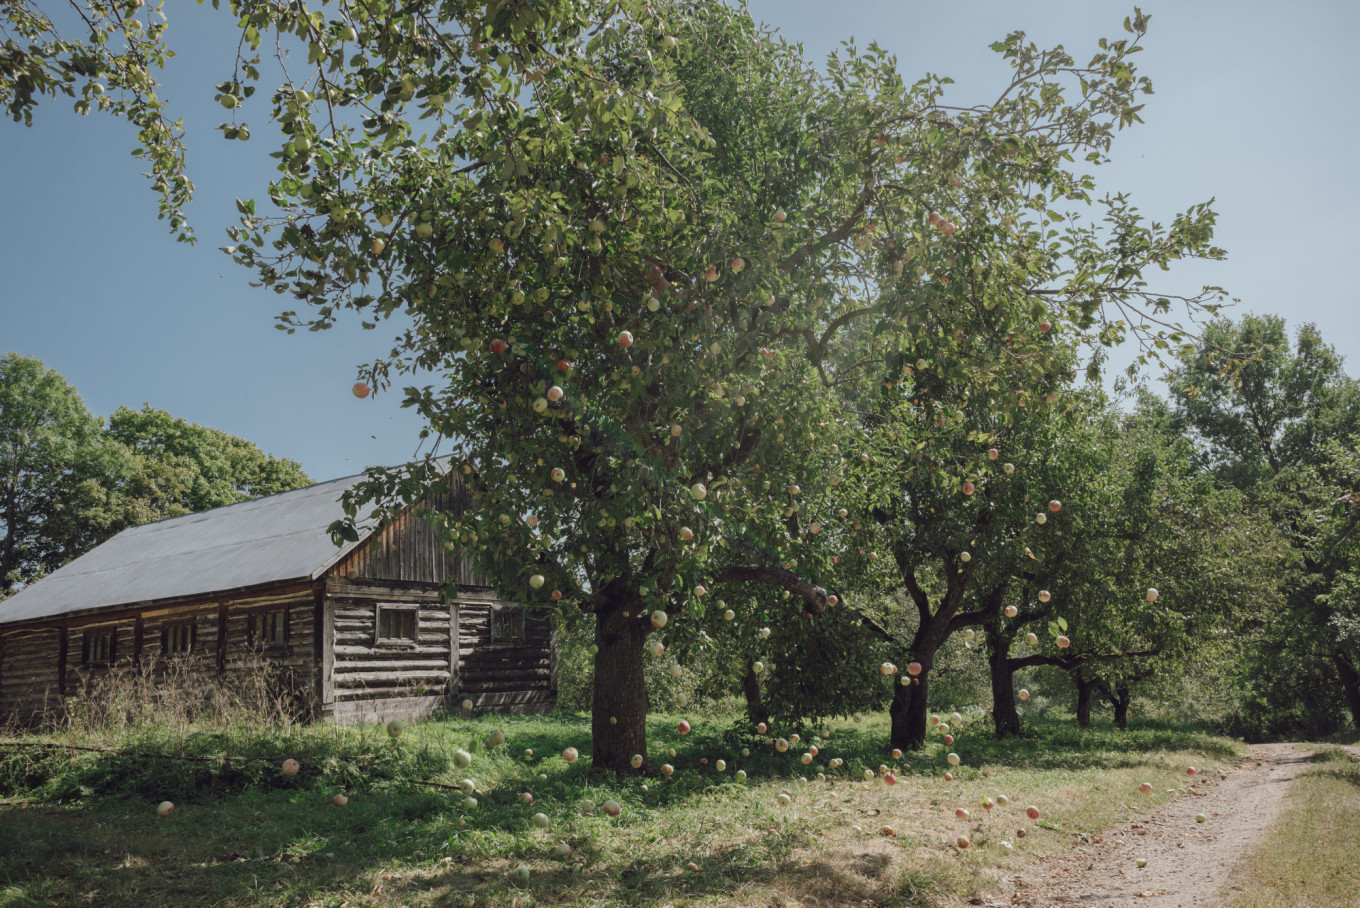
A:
<point x="265" y="540"/>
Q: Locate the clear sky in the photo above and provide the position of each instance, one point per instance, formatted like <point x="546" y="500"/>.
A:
<point x="1255" y="106"/>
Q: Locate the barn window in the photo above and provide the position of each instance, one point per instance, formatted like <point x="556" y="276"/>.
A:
<point x="177" y="638"/>
<point x="269" y="628"/>
<point x="507" y="624"/>
<point x="396" y="624"/>
<point x="98" y="647"/>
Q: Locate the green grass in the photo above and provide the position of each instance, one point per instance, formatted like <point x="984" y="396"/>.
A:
<point x="81" y="828"/>
<point x="1312" y="854"/>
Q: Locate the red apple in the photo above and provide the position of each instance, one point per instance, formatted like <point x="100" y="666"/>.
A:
<point x="1045" y="327"/>
<point x="913" y="668"/>
<point x="683" y="727"/>
<point x="499" y="346"/>
<point x="949" y="777"/>
<point x="1045" y="595"/>
<point x="1011" y="611"/>
<point x="570" y="755"/>
<point x="948" y="228"/>
<point x="563" y="365"/>
<point x="667" y="769"/>
<point x="290" y="767"/>
<point x="1055" y="505"/>
<point x="339" y="800"/>
<point x="1145" y="788"/>
<point x="780" y="217"/>
<point x="993" y="454"/>
<point x="968" y="488"/>
<point x="889" y="779"/>
<point x="527" y="797"/>
<point x="896" y="754"/>
<point x="948" y="739"/>
<point x="360" y="389"/>
<point x="554" y="393"/>
<point x="1024" y="694"/>
<point x="961" y="842"/>
<point x="711" y="274"/>
<point x="1032" y="813"/>
<point x="1190" y="771"/>
<point x="1063" y="643"/>
<point x="625" y="339"/>
<point x="613" y="808"/>
<point x="497" y="245"/>
<point x="761" y="728"/>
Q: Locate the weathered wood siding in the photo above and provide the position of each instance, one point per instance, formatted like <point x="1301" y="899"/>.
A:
<point x="451" y="658"/>
<point x="29" y="678"/>
<point x="408" y="549"/>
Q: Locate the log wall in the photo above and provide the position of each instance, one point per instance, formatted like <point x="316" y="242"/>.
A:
<point x="451" y="659"/>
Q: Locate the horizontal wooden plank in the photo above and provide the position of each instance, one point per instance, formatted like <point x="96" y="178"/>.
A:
<point x="349" y="666"/>
<point x="350" y="678"/>
<point x="409" y="709"/>
<point x="441" y="649"/>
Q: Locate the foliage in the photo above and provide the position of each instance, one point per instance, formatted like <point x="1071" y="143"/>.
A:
<point x="179" y="467"/>
<point x="67" y="483"/>
<point x="1282" y="428"/>
<point x="57" y="473"/>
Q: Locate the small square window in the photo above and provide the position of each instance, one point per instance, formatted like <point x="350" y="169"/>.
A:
<point x="177" y="639"/>
<point x="269" y="628"/>
<point x="507" y="624"/>
<point x="98" y="647"/>
<point x="397" y="625"/>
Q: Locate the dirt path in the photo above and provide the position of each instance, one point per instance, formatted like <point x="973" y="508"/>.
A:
<point x="1189" y="864"/>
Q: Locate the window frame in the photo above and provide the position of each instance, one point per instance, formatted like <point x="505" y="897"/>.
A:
<point x="87" y="638"/>
<point x="257" y="625"/>
<point x="511" y="616"/>
<point x="167" y="627"/>
<point x="385" y="608"/>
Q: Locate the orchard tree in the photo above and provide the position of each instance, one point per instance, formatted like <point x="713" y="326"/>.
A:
<point x="1279" y="428"/>
<point x="642" y="248"/>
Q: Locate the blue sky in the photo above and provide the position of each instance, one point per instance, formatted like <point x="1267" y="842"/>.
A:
<point x="1254" y="106"/>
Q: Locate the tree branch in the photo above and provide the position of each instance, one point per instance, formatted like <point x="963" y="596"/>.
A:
<point x="814" y="597"/>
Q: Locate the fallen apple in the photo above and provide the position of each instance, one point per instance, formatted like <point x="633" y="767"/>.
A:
<point x="571" y="755"/>
<point x="1032" y="813"/>
<point x="612" y="808"/>
<point x="164" y="809"/>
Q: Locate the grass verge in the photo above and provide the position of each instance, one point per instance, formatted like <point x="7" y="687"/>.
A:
<point x="80" y="827"/>
<point x="1311" y="856"/>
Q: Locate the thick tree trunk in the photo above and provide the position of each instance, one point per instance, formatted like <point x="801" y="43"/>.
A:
<point x="618" y="722"/>
<point x="1122" y="697"/>
<point x="1350" y="684"/>
<point x="1005" y="716"/>
<point x="1085" y="694"/>
<point x="908" y="711"/>
<point x="755" y="704"/>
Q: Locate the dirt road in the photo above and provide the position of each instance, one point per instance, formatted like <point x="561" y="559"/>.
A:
<point x="1189" y="864"/>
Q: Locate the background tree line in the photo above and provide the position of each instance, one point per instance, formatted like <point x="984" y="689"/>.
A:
<point x="70" y="479"/>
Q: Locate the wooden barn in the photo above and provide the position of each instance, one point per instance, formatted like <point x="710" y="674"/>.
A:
<point x="366" y="631"/>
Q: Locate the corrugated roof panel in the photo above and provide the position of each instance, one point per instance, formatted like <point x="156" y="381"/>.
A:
<point x="278" y="538"/>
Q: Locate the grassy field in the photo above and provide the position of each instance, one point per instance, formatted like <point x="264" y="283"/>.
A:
<point x="1312" y="854"/>
<point x="81" y="828"/>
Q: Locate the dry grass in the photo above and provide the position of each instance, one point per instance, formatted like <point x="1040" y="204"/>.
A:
<point x="1311" y="857"/>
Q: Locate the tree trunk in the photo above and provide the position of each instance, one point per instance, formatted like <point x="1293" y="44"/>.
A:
<point x="1121" y="698"/>
<point x="1005" y="716"/>
<point x="618" y="722"/>
<point x="1085" y="694"/>
<point x="1350" y="684"/>
<point x="908" y="711"/>
<point x="755" y="704"/>
<point x="11" y="528"/>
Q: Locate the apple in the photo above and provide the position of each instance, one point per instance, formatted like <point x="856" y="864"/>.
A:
<point x="570" y="755"/>
<point x="625" y="339"/>
<point x="541" y="820"/>
<point x="1011" y="611"/>
<point x="668" y="42"/>
<point x="961" y="842"/>
<point x="782" y="745"/>
<point x="1032" y="813"/>
<point x="738" y="264"/>
<point x="868" y="775"/>
<point x="636" y="762"/>
<point x="1008" y="468"/>
<point x="587" y="807"/>
<point x="1024" y="694"/>
<point x="699" y="491"/>
<point x="461" y="758"/>
<point x="360" y="390"/>
<point x="339" y="800"/>
<point x="720" y="765"/>
<point x="468" y="786"/>
<point x="933" y="218"/>
<point x="165" y="808"/>
<point x="496" y="738"/>
<point x="1002" y="800"/>
<point x="965" y="557"/>
<point x="948" y="739"/>
<point x="1021" y="833"/>
<point x="944" y="728"/>
<point x="1151" y="593"/>
<point x="562" y="850"/>
<point x="499" y="346"/>
<point x="1041" y="518"/>
<point x="1141" y="862"/>
<point x="968" y="488"/>
<point x="423" y="230"/>
<point x="395" y="728"/>
<point x="949" y="777"/>
<point x="612" y="808"/>
<point x="379" y="244"/>
<point x="783" y="800"/>
<point x="914" y="668"/>
<point x="764" y="633"/>
<point x="1055" y="505"/>
<point x="229" y="101"/>
<point x="290" y="767"/>
<point x="1032" y="638"/>
<point x="700" y="590"/>
<point x="1063" y="643"/>
<point x="780" y="217"/>
<point x="1201" y="818"/>
<point x="657" y="648"/>
<point x="952" y="759"/>
<point x="558" y="474"/>
<point x="888" y="668"/>
<point x="667" y="769"/>
<point x="1045" y="595"/>
<point x="729" y="615"/>
<point x="993" y="453"/>
<point x="961" y="813"/>
<point x="1045" y="327"/>
<point x="536" y="581"/>
<point x="1190" y="771"/>
<point x="555" y="393"/>
<point x="806" y="758"/>
<point x="833" y="600"/>
<point x="683" y="727"/>
<point x="470" y="803"/>
<point x="1145" y="788"/>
